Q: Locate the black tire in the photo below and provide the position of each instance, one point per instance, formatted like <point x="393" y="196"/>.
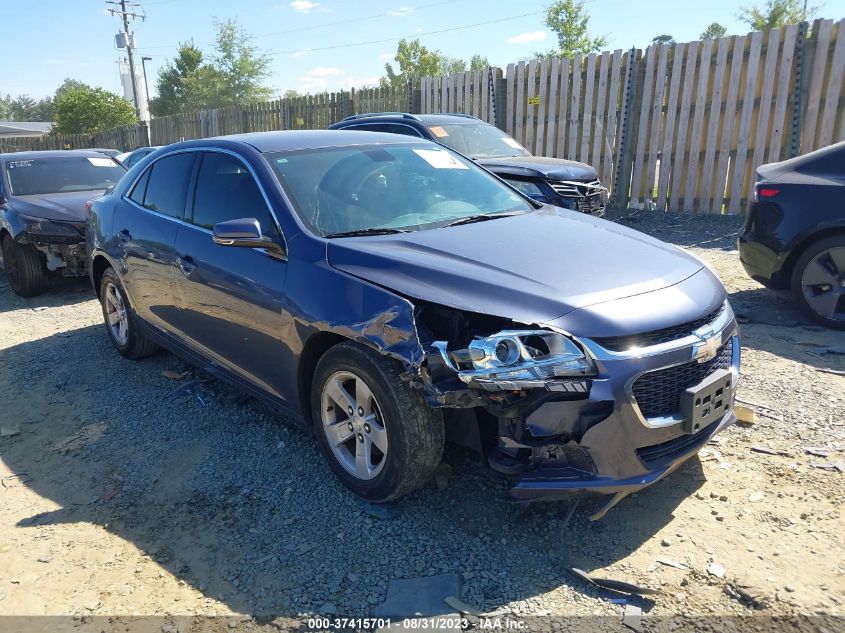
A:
<point x="24" y="267"/>
<point x="837" y="275"/>
<point x="136" y="345"/>
<point x="414" y="430"/>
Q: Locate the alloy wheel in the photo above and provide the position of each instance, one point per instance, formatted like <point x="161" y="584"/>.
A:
<point x="353" y="425"/>
<point x="823" y="283"/>
<point x="116" y="316"/>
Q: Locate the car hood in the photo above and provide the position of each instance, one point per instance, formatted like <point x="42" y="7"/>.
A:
<point x="539" y="167"/>
<point x="531" y="268"/>
<point x="69" y="207"/>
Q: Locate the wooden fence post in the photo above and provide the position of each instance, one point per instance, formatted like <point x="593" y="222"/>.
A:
<point x="631" y="102"/>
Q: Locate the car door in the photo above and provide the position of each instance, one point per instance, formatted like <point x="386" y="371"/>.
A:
<point x="232" y="299"/>
<point x="146" y="223"/>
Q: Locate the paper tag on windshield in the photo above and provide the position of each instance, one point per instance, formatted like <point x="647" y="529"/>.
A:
<point x="511" y="142"/>
<point x="439" y="159"/>
<point x="438" y="131"/>
<point x="101" y="162"/>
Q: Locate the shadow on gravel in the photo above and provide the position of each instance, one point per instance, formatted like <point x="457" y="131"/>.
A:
<point x="771" y="322"/>
<point x="243" y="508"/>
<point x="60" y="292"/>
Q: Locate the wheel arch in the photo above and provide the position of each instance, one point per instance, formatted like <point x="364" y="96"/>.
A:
<point x="99" y="265"/>
<point x="314" y="349"/>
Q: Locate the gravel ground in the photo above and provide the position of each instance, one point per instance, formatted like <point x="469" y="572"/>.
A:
<point x="137" y="494"/>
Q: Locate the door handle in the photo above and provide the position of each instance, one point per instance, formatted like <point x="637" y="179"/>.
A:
<point x="124" y="235"/>
<point x="186" y="264"/>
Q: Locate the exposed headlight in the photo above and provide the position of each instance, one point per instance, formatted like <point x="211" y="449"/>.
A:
<point x="526" y="187"/>
<point x="517" y="355"/>
<point x="40" y="226"/>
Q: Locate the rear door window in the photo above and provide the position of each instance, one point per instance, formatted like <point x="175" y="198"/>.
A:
<point x="167" y="184"/>
<point x="226" y="190"/>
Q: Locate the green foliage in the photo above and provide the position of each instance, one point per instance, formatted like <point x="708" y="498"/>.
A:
<point x="570" y="21"/>
<point x="663" y="39"/>
<point x="89" y="110"/>
<point x="478" y="62"/>
<point x="25" y="108"/>
<point x="775" y="14"/>
<point x="172" y="91"/>
<point x="713" y="32"/>
<point x="233" y="76"/>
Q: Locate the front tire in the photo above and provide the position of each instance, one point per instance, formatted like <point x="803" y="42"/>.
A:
<point x="122" y="324"/>
<point x="24" y="267"/>
<point x="818" y="282"/>
<point x="379" y="436"/>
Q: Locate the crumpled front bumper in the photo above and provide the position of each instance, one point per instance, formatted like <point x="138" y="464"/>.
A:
<point x="626" y="451"/>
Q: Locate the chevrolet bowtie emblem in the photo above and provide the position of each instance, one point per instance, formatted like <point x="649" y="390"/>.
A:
<point x="706" y="349"/>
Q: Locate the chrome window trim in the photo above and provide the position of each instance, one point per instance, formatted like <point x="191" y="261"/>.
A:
<point x="220" y="150"/>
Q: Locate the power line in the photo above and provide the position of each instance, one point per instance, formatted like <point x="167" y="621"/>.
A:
<point x="315" y="26"/>
<point x="415" y="35"/>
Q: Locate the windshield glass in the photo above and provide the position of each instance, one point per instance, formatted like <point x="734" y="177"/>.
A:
<point x="58" y="174"/>
<point x="477" y="140"/>
<point x="375" y="187"/>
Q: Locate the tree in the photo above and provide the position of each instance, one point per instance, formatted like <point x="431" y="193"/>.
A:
<point x="233" y="76"/>
<point x="663" y="39"/>
<point x="570" y="21"/>
<point x="240" y="67"/>
<point x="775" y="14"/>
<point x="478" y="62"/>
<point x="415" y="61"/>
<point x="172" y="94"/>
<point x="713" y="32"/>
<point x="90" y="110"/>
<point x="69" y="84"/>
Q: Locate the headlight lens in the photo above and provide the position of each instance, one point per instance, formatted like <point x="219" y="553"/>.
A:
<point x="518" y="355"/>
<point x="525" y="187"/>
<point x="40" y="226"/>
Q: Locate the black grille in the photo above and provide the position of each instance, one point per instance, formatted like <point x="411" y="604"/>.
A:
<point x="658" y="393"/>
<point x="652" y="456"/>
<point x="655" y="337"/>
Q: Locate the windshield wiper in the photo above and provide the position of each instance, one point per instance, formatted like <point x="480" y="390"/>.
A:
<point x="483" y="217"/>
<point x="371" y="231"/>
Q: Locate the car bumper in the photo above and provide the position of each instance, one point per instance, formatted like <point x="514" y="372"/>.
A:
<point x="633" y="443"/>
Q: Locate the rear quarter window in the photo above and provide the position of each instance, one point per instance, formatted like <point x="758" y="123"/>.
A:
<point x="167" y="184"/>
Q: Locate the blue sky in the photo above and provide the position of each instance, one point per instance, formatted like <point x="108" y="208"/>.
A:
<point x="48" y="40"/>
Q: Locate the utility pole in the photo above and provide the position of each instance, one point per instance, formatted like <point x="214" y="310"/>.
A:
<point x="124" y="10"/>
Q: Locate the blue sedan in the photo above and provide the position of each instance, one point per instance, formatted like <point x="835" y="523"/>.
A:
<point x="393" y="294"/>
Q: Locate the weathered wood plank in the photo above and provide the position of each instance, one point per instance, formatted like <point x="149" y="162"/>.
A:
<point x="783" y="94"/>
<point x="713" y="121"/>
<point x="540" y="131"/>
<point x="666" y="157"/>
<point x="696" y="129"/>
<point x="562" y="101"/>
<point x="653" y="148"/>
<point x="764" y="111"/>
<point x="530" y="110"/>
<point x="600" y="131"/>
<point x="552" y="112"/>
<point x="519" y="128"/>
<point x="679" y="160"/>
<point x="637" y="186"/>
<point x="737" y="172"/>
<point x="834" y="88"/>
<point x="588" y="125"/>
<point x="575" y="107"/>
<point x="811" y="114"/>
<point x="613" y="106"/>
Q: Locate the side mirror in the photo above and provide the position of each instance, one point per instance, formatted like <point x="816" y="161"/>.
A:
<point x="245" y="232"/>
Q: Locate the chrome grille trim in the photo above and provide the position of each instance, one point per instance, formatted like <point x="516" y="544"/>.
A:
<point x="576" y="188"/>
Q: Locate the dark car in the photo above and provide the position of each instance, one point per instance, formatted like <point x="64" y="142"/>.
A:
<point x="565" y="183"/>
<point x="43" y="198"/>
<point x="393" y="294"/>
<point x="128" y="159"/>
<point x="794" y="235"/>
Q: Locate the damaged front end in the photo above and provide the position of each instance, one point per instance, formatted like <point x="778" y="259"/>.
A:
<point x="61" y="242"/>
<point x="561" y="413"/>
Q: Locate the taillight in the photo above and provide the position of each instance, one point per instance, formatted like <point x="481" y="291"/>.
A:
<point x="761" y="191"/>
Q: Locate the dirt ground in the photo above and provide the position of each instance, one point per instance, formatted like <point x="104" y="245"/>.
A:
<point x="126" y="493"/>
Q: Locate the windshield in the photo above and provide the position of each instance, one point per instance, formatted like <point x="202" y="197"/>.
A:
<point x="58" y="174"/>
<point x="477" y="140"/>
<point x="395" y="187"/>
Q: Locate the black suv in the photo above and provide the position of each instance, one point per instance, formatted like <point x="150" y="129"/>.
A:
<point x="564" y="183"/>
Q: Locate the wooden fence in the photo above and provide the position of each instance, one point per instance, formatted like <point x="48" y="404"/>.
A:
<point x="681" y="127"/>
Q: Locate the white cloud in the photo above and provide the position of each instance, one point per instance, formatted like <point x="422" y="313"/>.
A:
<point x="401" y="12"/>
<point x="318" y="78"/>
<point x="304" y="6"/>
<point x="525" y="38"/>
<point x="386" y="56"/>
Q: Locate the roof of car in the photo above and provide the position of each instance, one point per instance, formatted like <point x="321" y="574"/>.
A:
<point x="307" y="139"/>
<point x="404" y="117"/>
<point x="56" y="153"/>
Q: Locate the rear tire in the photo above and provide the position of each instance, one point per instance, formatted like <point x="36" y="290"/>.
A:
<point x="121" y="322"/>
<point x="818" y="282"/>
<point x="400" y="437"/>
<point x="24" y="267"/>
